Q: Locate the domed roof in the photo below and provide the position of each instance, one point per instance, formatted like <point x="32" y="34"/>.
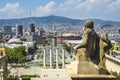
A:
<point x="14" y="40"/>
<point x="69" y="34"/>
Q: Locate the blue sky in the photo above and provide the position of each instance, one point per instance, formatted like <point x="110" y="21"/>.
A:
<point x="77" y="9"/>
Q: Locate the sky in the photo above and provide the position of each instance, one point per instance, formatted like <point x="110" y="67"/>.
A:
<point x="75" y="9"/>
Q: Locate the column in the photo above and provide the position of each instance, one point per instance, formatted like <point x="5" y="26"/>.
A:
<point x="57" y="64"/>
<point x="55" y="41"/>
<point x="44" y="59"/>
<point x="50" y="58"/>
<point x="63" y="58"/>
<point x="1" y="73"/>
<point x="44" y="40"/>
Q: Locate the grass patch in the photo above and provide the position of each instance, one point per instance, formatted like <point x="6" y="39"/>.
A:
<point x="27" y="77"/>
<point x="118" y="77"/>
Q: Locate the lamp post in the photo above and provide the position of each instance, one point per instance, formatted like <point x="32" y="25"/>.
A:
<point x="50" y="58"/>
<point x="44" y="58"/>
<point x="63" y="58"/>
<point x="57" y="64"/>
<point x="1" y="73"/>
<point x="70" y="45"/>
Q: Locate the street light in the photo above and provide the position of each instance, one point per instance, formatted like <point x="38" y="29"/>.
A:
<point x="1" y="71"/>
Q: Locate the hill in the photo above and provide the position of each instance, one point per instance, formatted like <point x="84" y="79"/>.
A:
<point x="52" y="20"/>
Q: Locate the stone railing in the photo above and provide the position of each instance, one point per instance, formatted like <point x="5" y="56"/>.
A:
<point x="112" y="64"/>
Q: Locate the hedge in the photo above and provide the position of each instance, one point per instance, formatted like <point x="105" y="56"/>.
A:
<point x="28" y="76"/>
<point x="25" y="78"/>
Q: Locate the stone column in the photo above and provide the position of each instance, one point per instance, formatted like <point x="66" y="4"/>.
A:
<point x="50" y="58"/>
<point x="44" y="59"/>
<point x="57" y="64"/>
<point x="1" y="73"/>
<point x="63" y="58"/>
<point x="55" y="41"/>
<point x="44" y="40"/>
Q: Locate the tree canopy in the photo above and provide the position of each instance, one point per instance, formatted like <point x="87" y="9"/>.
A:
<point x="16" y="55"/>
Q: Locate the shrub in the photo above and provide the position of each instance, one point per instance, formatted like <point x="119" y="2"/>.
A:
<point x="118" y="77"/>
<point x="28" y="76"/>
<point x="25" y="78"/>
<point x="10" y="77"/>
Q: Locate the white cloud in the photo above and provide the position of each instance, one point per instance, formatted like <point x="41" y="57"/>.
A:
<point x="45" y="10"/>
<point x="89" y="8"/>
<point x="114" y="6"/>
<point x="11" y="10"/>
<point x="80" y="9"/>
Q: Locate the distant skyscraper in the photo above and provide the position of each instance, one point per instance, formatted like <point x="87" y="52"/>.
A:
<point x="32" y="28"/>
<point x="54" y="28"/>
<point x="19" y="30"/>
<point x="7" y="30"/>
<point x="119" y="31"/>
<point x="41" y="32"/>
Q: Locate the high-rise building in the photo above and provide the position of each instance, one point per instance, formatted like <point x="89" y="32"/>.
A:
<point x="19" y="30"/>
<point x="7" y="30"/>
<point x="41" y="32"/>
<point x="32" y="28"/>
<point x="119" y="31"/>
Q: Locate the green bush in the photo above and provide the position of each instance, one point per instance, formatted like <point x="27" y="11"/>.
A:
<point x="12" y="78"/>
<point x="25" y="78"/>
<point x="118" y="77"/>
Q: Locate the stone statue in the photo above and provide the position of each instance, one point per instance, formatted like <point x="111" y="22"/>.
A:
<point x="104" y="45"/>
<point x="89" y="43"/>
<point x="90" y="52"/>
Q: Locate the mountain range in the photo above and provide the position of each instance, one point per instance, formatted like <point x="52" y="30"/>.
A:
<point x="57" y="21"/>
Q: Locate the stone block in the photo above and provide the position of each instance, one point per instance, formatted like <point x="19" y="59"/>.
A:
<point x="84" y="67"/>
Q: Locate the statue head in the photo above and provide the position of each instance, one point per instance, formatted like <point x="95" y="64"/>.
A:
<point x="104" y="37"/>
<point x="89" y="24"/>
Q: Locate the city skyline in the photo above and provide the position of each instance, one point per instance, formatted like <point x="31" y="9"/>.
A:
<point x="76" y="9"/>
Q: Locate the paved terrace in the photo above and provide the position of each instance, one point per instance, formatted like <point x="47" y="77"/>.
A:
<point x="44" y="74"/>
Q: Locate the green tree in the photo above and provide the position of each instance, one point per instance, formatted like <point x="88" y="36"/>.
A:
<point x="21" y="50"/>
<point x="32" y="49"/>
<point x="21" y="59"/>
<point x="16" y="55"/>
<point x="10" y="54"/>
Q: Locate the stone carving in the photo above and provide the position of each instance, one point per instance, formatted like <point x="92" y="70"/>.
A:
<point x="90" y="52"/>
<point x="92" y="47"/>
<point x="104" y="45"/>
<point x="89" y="44"/>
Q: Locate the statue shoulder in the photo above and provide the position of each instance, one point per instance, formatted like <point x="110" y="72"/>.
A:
<point x="107" y="43"/>
<point x="87" y="31"/>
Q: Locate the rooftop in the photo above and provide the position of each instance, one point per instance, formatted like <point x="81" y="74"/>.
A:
<point x="15" y="40"/>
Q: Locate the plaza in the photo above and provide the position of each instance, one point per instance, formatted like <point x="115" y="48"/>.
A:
<point x="43" y="74"/>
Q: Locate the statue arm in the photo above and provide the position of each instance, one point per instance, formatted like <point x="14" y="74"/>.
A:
<point x="83" y="42"/>
<point x="108" y="46"/>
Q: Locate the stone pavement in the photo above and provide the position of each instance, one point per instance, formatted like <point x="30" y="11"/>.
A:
<point x="44" y="74"/>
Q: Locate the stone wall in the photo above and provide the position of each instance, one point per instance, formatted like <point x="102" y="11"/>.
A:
<point x="112" y="64"/>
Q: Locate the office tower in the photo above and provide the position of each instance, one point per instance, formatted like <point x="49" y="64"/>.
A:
<point x="32" y="29"/>
<point x="41" y="32"/>
<point x="119" y="31"/>
<point x="7" y="30"/>
<point x="19" y="30"/>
